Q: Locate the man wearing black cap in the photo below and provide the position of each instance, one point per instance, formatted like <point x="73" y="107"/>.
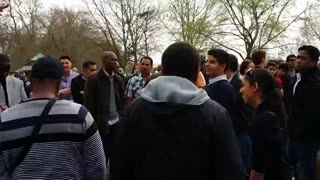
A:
<point x="49" y="138"/>
<point x="11" y="89"/>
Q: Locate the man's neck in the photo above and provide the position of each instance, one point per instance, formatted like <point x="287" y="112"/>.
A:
<point x="216" y="76"/>
<point x="67" y="73"/>
<point x="292" y="70"/>
<point x="145" y="76"/>
<point x="42" y="94"/>
<point x="257" y="103"/>
<point x="109" y="71"/>
<point x="85" y="76"/>
<point x="259" y="66"/>
<point x="230" y="75"/>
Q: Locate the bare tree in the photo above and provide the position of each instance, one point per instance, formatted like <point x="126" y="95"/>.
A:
<point x="151" y="27"/>
<point x="67" y="32"/>
<point x="122" y="22"/>
<point x="188" y="20"/>
<point x="311" y="28"/>
<point x="255" y="23"/>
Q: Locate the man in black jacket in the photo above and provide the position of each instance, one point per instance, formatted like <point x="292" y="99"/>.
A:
<point x="304" y="123"/>
<point x="104" y="98"/>
<point x="232" y="73"/>
<point x="78" y="83"/>
<point x="174" y="131"/>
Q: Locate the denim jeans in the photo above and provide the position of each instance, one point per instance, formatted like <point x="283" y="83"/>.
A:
<point x="306" y="154"/>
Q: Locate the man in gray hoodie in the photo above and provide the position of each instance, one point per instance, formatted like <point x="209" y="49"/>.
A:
<point x="174" y="131"/>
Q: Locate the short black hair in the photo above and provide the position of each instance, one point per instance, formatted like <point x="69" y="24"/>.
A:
<point x="47" y="68"/>
<point x="290" y="56"/>
<point x="65" y="57"/>
<point x="221" y="55"/>
<point x="284" y="67"/>
<point x="87" y="64"/>
<point x="272" y="63"/>
<point x="181" y="59"/>
<point x="147" y="57"/>
<point x="4" y="58"/>
<point x="313" y="52"/>
<point x="258" y="56"/>
<point x="233" y="64"/>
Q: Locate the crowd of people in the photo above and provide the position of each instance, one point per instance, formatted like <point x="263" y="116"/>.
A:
<point x="193" y="117"/>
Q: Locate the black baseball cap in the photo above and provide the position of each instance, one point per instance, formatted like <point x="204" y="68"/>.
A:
<point x="47" y="68"/>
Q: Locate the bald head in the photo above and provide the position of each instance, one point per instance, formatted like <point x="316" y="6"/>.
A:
<point x="109" y="61"/>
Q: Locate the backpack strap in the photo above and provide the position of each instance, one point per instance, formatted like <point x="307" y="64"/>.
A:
<point x="30" y="141"/>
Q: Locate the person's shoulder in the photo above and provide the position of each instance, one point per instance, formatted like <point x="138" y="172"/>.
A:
<point x="118" y="77"/>
<point x="68" y="106"/>
<point x="213" y="112"/>
<point x="133" y="80"/>
<point x="77" y="78"/>
<point x="74" y="74"/>
<point x="222" y="85"/>
<point x="14" y="80"/>
<point x="212" y="107"/>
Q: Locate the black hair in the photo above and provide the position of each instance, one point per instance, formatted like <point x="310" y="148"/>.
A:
<point x="284" y="67"/>
<point x="313" y="52"/>
<point x="65" y="57"/>
<point x="4" y="58"/>
<point x="290" y="56"/>
<point x="233" y="64"/>
<point x="181" y="59"/>
<point x="258" y="56"/>
<point x="87" y="64"/>
<point x="270" y="93"/>
<point x="221" y="55"/>
<point x="271" y="63"/>
<point x="147" y="57"/>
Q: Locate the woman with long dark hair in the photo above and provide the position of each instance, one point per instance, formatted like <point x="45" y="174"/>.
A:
<point x="259" y="90"/>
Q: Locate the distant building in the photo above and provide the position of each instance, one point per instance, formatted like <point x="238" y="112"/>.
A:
<point x="28" y="65"/>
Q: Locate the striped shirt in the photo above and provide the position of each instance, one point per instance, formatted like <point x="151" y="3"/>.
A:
<point x="68" y="146"/>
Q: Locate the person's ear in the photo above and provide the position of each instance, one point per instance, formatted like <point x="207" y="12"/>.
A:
<point x="256" y="87"/>
<point x="195" y="78"/>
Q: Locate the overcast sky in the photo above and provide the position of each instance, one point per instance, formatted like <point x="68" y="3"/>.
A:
<point x="78" y="4"/>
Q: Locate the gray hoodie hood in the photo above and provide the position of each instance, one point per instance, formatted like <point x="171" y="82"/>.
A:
<point x="173" y="89"/>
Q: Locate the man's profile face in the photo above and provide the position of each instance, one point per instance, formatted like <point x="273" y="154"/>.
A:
<point x="304" y="61"/>
<point x="213" y="68"/>
<point x="90" y="70"/>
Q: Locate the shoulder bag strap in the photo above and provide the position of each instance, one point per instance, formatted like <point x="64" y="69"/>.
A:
<point x="35" y="133"/>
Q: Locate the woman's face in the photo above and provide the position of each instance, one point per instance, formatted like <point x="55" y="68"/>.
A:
<point x="248" y="91"/>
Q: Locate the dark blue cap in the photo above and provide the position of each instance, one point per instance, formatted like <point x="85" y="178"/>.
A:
<point x="47" y="68"/>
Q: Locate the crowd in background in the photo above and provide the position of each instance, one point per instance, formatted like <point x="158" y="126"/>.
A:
<point x="192" y="117"/>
